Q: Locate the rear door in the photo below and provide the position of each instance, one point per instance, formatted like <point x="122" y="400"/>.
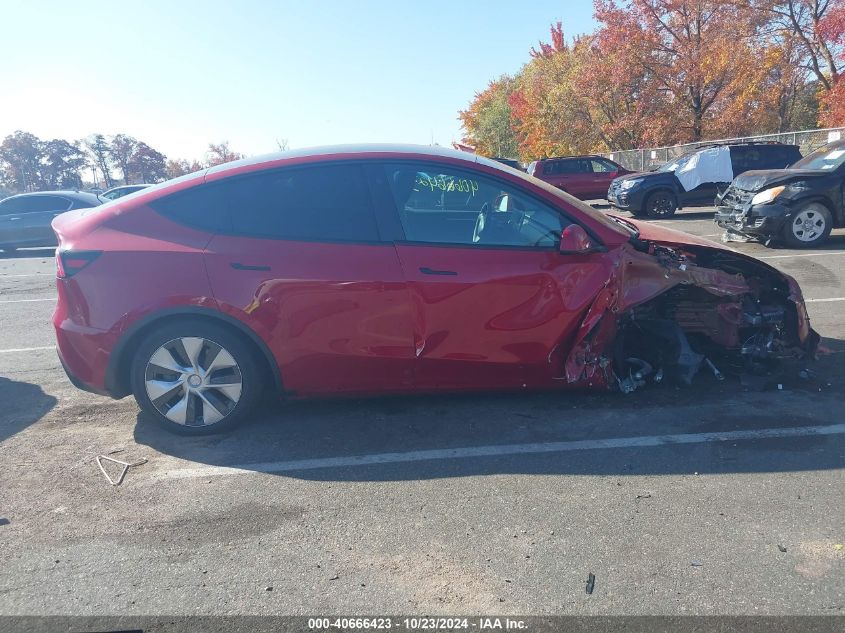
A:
<point x="495" y="304"/>
<point x="305" y="266"/>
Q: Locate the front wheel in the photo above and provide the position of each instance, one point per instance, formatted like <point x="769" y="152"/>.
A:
<point x="195" y="377"/>
<point x="809" y="227"/>
<point x="660" y="204"/>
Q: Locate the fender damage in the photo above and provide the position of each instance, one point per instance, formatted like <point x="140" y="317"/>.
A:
<point x="670" y="309"/>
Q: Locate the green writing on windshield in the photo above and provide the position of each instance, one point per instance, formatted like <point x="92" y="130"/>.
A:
<point x="442" y="182"/>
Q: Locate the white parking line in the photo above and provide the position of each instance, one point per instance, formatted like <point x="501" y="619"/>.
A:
<point x="2" y="275"/>
<point x="15" y="350"/>
<point x="830" y="300"/>
<point x="496" y="451"/>
<point x="801" y="255"/>
<point x="28" y="300"/>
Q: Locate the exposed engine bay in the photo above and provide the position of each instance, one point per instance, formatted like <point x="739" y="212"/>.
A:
<point x="701" y="310"/>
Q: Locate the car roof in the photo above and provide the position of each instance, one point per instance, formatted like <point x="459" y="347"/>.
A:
<point x="395" y="150"/>
<point x="540" y="160"/>
<point x="83" y="196"/>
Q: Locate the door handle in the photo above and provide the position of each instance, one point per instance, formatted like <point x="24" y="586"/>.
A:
<point x="425" y="270"/>
<point x="240" y="266"/>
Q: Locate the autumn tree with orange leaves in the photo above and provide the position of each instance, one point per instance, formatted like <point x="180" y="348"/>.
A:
<point x="668" y="71"/>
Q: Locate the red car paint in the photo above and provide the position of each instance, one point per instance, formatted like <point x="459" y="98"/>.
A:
<point x="363" y="317"/>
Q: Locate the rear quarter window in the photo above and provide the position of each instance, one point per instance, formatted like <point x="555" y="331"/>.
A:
<point x="202" y="207"/>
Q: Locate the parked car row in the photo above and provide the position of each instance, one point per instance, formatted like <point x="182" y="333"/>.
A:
<point x="763" y="190"/>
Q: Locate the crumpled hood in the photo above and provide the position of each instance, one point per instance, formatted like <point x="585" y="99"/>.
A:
<point x="757" y="180"/>
<point x="656" y="233"/>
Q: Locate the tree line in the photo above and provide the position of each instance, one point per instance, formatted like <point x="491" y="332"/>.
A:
<point x="28" y="163"/>
<point x="662" y="72"/>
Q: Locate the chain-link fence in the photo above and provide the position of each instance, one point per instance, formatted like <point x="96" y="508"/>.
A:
<point x="645" y="159"/>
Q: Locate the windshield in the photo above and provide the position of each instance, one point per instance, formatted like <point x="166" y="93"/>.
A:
<point x="828" y="157"/>
<point x="676" y="163"/>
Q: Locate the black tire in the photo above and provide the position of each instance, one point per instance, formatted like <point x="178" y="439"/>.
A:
<point x="660" y="204"/>
<point x="808" y="227"/>
<point x="216" y="384"/>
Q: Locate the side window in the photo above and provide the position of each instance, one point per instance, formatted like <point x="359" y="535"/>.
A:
<point x="558" y="167"/>
<point x="11" y="205"/>
<point x="442" y="205"/>
<point x="202" y="207"/>
<point x="325" y="203"/>
<point x="745" y="159"/>
<point x="39" y="204"/>
<point x="602" y="166"/>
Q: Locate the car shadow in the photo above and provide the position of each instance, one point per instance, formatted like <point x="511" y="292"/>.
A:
<point x="23" y="405"/>
<point x="27" y="253"/>
<point x="437" y="436"/>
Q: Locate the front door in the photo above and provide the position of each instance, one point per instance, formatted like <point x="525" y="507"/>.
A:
<point x="603" y="174"/>
<point x="495" y="303"/>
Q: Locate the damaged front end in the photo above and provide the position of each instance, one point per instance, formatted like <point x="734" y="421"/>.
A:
<point x="671" y="311"/>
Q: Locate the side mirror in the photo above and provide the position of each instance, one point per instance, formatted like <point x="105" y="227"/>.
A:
<point x="574" y="239"/>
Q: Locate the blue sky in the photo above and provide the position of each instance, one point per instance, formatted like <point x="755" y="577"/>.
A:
<point x="180" y="74"/>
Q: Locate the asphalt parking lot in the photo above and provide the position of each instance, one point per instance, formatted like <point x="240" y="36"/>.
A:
<point x="707" y="500"/>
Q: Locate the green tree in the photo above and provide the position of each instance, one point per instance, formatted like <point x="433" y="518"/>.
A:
<point x="147" y="165"/>
<point x="121" y="150"/>
<point x="487" y="121"/>
<point x="20" y="159"/>
<point x="62" y="164"/>
<point x="99" y="149"/>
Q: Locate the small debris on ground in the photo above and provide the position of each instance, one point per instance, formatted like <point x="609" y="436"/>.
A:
<point x="126" y="467"/>
<point x="782" y="548"/>
<point x="646" y="495"/>
<point x="697" y="563"/>
<point x="4" y="521"/>
<point x="335" y="577"/>
<point x="268" y="589"/>
<point x="591" y="583"/>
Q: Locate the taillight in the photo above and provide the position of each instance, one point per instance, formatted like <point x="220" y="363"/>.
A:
<point x="68" y="263"/>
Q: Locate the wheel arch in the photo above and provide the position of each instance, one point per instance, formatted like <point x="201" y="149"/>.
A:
<point x="838" y="218"/>
<point x="668" y="188"/>
<point x="117" y="372"/>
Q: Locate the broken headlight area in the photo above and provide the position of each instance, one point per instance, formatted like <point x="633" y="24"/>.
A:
<point x="719" y="313"/>
<point x="687" y="330"/>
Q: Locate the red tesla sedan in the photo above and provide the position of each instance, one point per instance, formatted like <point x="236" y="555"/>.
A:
<point x="380" y="269"/>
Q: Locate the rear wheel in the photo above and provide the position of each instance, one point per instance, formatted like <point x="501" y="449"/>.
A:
<point x="809" y="227"/>
<point x="195" y="377"/>
<point x="660" y="204"/>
